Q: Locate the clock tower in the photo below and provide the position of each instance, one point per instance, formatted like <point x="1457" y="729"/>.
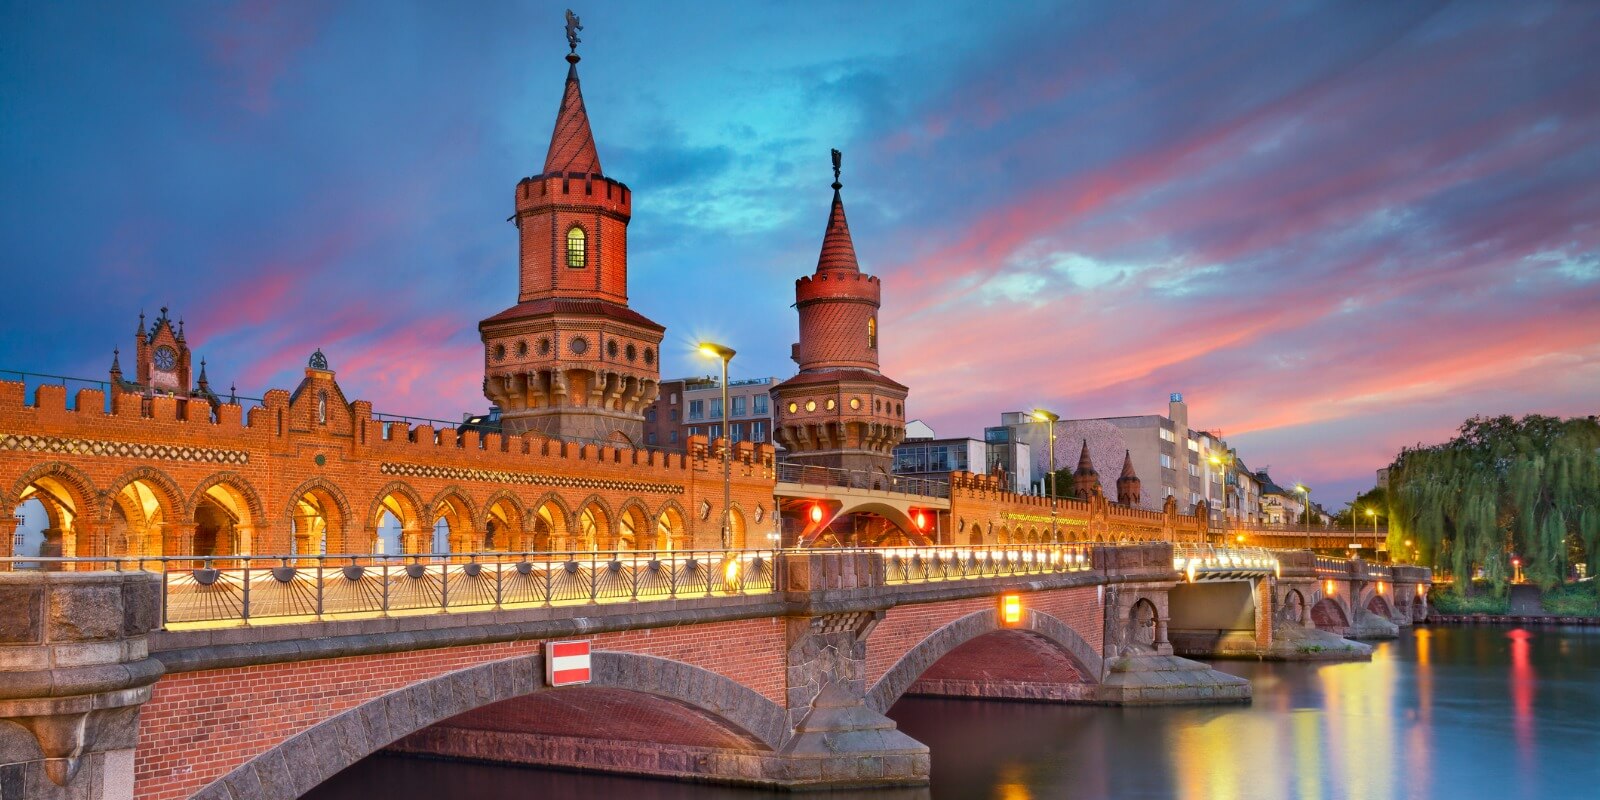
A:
<point x="571" y="360"/>
<point x="162" y="357"/>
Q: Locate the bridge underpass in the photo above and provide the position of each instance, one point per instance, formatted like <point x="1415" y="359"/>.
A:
<point x="823" y="507"/>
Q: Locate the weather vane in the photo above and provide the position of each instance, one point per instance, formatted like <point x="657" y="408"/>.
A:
<point x="573" y="26"/>
<point x="837" y="157"/>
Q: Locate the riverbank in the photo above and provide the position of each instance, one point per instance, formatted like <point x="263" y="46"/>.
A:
<point x="1510" y="619"/>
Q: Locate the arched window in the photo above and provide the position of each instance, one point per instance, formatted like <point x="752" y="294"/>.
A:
<point x="872" y="332"/>
<point x="322" y="408"/>
<point x="577" y="256"/>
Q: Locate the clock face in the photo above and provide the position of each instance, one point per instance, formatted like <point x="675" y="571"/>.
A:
<point x="166" y="359"/>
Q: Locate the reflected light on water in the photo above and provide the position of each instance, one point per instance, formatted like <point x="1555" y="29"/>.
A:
<point x="1523" y="682"/>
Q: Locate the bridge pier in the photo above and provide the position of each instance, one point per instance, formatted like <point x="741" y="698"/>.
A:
<point x="74" y="670"/>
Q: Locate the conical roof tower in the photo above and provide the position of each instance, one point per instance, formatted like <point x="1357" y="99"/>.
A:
<point x="571" y="359"/>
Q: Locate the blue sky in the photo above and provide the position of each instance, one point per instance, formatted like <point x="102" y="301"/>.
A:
<point x="1337" y="228"/>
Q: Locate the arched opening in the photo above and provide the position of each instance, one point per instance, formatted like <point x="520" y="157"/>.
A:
<point x="1294" y="607"/>
<point x="391" y="534"/>
<point x="137" y="520"/>
<point x="594" y="528"/>
<point x="1327" y="614"/>
<point x="737" y="531"/>
<point x="701" y="724"/>
<point x="452" y="510"/>
<point x="1142" y="632"/>
<point x="1377" y="605"/>
<point x="577" y="250"/>
<point x="670" y="530"/>
<point x="1002" y="536"/>
<point x="222" y="522"/>
<point x="550" y="528"/>
<point x="33" y="519"/>
<point x="502" y="524"/>
<point x="1006" y="664"/>
<point x="633" y="529"/>
<point x="397" y="522"/>
<point x="317" y="523"/>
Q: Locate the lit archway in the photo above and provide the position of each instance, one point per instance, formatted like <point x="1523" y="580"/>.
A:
<point x="223" y="522"/>
<point x="634" y="531"/>
<point x="452" y="509"/>
<point x="594" y="528"/>
<point x="502" y="524"/>
<point x="142" y="506"/>
<point x="549" y="523"/>
<point x="670" y="530"/>
<point x="317" y="523"/>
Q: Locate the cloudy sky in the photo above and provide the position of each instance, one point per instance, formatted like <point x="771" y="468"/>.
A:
<point x="1337" y="228"/>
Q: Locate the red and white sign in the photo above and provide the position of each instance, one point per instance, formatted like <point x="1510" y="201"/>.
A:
<point x="566" y="663"/>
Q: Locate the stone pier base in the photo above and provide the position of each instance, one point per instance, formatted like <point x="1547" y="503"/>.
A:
<point x="1167" y="680"/>
<point x="1289" y="643"/>
<point x="1372" y="626"/>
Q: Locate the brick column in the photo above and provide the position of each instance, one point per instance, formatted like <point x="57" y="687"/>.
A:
<point x="75" y="726"/>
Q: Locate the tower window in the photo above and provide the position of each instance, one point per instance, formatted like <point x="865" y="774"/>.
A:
<point x="872" y="332"/>
<point x="577" y="255"/>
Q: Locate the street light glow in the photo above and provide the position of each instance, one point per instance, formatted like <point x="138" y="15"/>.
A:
<point x="1045" y="416"/>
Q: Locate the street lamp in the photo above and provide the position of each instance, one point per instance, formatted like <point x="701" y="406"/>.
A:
<point x="724" y="353"/>
<point x="1306" y="512"/>
<point x="1051" y="418"/>
<point x="1219" y="463"/>
<point x="1371" y="512"/>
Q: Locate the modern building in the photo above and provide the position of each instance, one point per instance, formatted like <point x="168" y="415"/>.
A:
<point x="693" y="407"/>
<point x="1170" y="458"/>
<point x="937" y="458"/>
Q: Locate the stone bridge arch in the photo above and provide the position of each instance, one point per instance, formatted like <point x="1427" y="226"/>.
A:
<point x="919" y="659"/>
<point x="1328" y="614"/>
<point x="316" y="754"/>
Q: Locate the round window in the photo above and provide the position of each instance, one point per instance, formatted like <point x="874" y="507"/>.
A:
<point x="793" y="407"/>
<point x="522" y="349"/>
<point x="578" y="345"/>
<point x="855" y="404"/>
<point x="897" y="410"/>
<point x="544" y="347"/>
<point x="831" y="404"/>
<point x="811" y="405"/>
<point x="649" y="356"/>
<point x="499" y="352"/>
<point x="632" y="352"/>
<point x="611" y="348"/>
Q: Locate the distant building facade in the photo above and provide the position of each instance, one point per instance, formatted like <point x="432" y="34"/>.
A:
<point x="693" y="407"/>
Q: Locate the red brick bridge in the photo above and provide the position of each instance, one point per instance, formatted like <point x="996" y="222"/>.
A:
<point x="758" y="667"/>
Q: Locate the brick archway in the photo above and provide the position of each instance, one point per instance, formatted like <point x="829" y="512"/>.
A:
<point x="1328" y="614"/>
<point x="943" y="641"/>
<point x="305" y="760"/>
<point x="1379" y="605"/>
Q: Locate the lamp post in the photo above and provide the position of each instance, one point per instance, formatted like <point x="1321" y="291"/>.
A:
<point x="1051" y="418"/>
<point x="724" y="353"/>
<point x="1306" y="511"/>
<point x="1373" y="513"/>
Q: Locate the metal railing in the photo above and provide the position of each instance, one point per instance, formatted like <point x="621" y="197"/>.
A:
<point x="933" y="564"/>
<point x="1206" y="562"/>
<point x="203" y="592"/>
<point x="806" y="474"/>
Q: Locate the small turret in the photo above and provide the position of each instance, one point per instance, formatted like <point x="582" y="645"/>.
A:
<point x="1128" y="490"/>
<point x="1085" y="481"/>
<point x="116" y="369"/>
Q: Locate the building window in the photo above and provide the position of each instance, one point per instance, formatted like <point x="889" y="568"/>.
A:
<point x="1194" y="445"/>
<point x="760" y="403"/>
<point x="650" y="416"/>
<point x="1194" y="471"/>
<point x="1167" y="435"/>
<point x="738" y="405"/>
<point x="716" y="408"/>
<point x="577" y="256"/>
<point x="322" y="408"/>
<point x="1168" y="490"/>
<point x="734" y="431"/>
<point x="872" y="332"/>
<point x="674" y="398"/>
<point x="694" y="430"/>
<point x="758" y="431"/>
<point x="650" y="438"/>
<point x="697" y="409"/>
<point x="674" y="415"/>
<point x="715" y="431"/>
<point x="672" y="436"/>
<point x="1166" y="461"/>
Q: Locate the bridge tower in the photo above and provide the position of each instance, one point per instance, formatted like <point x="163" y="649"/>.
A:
<point x="839" y="411"/>
<point x="1085" y="480"/>
<point x="1128" y="484"/>
<point x="571" y="359"/>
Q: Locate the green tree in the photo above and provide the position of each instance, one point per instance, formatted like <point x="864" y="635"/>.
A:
<point x="1503" y="485"/>
<point x="1376" y="498"/>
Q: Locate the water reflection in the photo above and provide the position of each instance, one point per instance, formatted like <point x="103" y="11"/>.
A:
<point x="1443" y="712"/>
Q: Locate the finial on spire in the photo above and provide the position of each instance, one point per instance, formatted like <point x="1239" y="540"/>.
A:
<point x="163" y="312"/>
<point x="318" y="360"/>
<point x="141" y="322"/>
<point x="116" y="364"/>
<point x="837" y="157"/>
<point x="233" y="394"/>
<point x="180" y="329"/>
<point x="573" y="26"/>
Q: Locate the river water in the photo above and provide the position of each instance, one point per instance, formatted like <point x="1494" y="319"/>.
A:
<point x="1447" y="712"/>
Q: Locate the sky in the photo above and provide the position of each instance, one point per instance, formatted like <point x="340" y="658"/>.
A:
<point x="1336" y="228"/>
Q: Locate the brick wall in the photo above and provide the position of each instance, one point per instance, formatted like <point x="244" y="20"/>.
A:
<point x="199" y="725"/>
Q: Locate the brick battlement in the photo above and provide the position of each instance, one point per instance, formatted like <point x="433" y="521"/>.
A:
<point x="838" y="286"/>
<point x="588" y="190"/>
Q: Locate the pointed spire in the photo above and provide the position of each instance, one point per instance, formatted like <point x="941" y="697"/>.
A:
<point x="205" y="385"/>
<point x="572" y="143"/>
<point x="140" y="332"/>
<point x="1085" y="465"/>
<point x="116" y="365"/>
<point x="180" y="329"/>
<point x="233" y="394"/>
<point x="838" y="250"/>
<point x="1128" y="486"/>
<point x="1127" y="465"/>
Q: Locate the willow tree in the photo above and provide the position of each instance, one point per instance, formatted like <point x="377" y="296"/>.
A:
<point x="1503" y="486"/>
